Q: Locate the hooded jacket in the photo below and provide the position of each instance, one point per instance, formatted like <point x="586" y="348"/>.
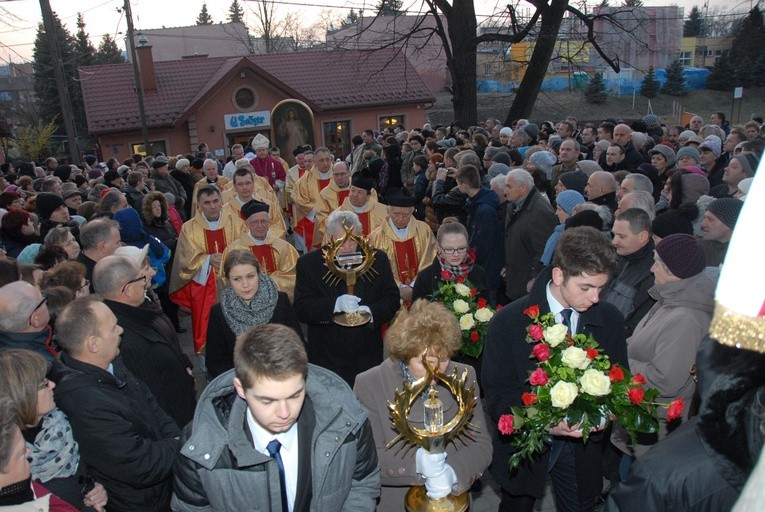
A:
<point x="220" y="470"/>
<point x="485" y="230"/>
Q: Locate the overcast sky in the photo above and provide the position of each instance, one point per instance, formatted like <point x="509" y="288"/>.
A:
<point x="19" y="18"/>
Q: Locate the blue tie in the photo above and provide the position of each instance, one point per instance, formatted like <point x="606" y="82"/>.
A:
<point x="566" y="314"/>
<point x="273" y="450"/>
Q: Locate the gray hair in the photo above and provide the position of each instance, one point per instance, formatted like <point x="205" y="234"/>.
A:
<point x="711" y="129"/>
<point x="241" y="163"/>
<point x="469" y="157"/>
<point x="521" y="177"/>
<point x="210" y="161"/>
<point x="605" y="214"/>
<point x="17" y="302"/>
<point x="499" y="179"/>
<point x="641" y="182"/>
<point x="341" y="218"/>
<point x="95" y="231"/>
<point x="57" y="236"/>
<point x="642" y="200"/>
<point x="111" y="273"/>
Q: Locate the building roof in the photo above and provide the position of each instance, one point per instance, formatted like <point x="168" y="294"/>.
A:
<point x="325" y="80"/>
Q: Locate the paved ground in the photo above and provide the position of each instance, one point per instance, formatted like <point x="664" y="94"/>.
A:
<point x="486" y="500"/>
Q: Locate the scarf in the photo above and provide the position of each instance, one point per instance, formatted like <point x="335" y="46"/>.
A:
<point x="461" y="270"/>
<point x="17" y="494"/>
<point x="241" y="317"/>
<point x="55" y="453"/>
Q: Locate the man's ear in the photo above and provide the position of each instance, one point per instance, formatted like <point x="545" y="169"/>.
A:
<point x="557" y="276"/>
<point x="239" y="388"/>
<point x="92" y="344"/>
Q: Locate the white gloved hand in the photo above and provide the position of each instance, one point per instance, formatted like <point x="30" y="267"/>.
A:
<point x="439" y="476"/>
<point x="347" y="304"/>
<point x="312" y="215"/>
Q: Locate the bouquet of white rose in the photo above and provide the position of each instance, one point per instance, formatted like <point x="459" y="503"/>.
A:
<point x="459" y="297"/>
<point x="575" y="382"/>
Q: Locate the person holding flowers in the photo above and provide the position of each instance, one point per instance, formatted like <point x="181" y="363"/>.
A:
<point x="570" y="289"/>
<point x="664" y="345"/>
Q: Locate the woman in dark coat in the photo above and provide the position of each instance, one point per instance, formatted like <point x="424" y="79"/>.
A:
<point x="454" y="258"/>
<point x="251" y="298"/>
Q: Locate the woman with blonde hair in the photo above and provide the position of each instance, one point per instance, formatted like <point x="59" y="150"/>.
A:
<point x="427" y="328"/>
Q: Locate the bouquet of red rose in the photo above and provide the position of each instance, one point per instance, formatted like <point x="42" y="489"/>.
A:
<point x="575" y="382"/>
<point x="459" y="297"/>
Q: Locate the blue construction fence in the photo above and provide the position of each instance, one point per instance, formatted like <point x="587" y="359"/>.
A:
<point x="695" y="79"/>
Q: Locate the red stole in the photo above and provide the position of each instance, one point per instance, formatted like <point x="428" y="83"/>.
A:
<point x="265" y="255"/>
<point x="242" y="216"/>
<point x="406" y="260"/>
<point x="364" y="219"/>
<point x="323" y="183"/>
<point x="215" y="241"/>
<point x="341" y="195"/>
<point x="301" y="172"/>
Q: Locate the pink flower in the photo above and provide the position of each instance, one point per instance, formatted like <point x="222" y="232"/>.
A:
<point x="538" y="377"/>
<point x="536" y="332"/>
<point x="506" y="424"/>
<point x="541" y="351"/>
<point x="675" y="409"/>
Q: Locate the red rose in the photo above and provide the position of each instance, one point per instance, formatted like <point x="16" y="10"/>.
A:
<point x="616" y="374"/>
<point x="461" y="279"/>
<point x="474" y="336"/>
<point x="506" y="424"/>
<point x="536" y="332"/>
<point x="473" y="292"/>
<point x="541" y="351"/>
<point x="675" y="409"/>
<point x="499" y="306"/>
<point x="638" y="379"/>
<point x="538" y="377"/>
<point x="531" y="311"/>
<point x="446" y="275"/>
<point x="528" y="399"/>
<point x="592" y="353"/>
<point x="636" y="395"/>
<point x="481" y="303"/>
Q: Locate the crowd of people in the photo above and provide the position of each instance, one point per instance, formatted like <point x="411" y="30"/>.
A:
<point x="618" y="228"/>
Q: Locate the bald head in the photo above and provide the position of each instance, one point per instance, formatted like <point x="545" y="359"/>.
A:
<point x="639" y="199"/>
<point x="599" y="184"/>
<point x="622" y="134"/>
<point x="110" y="276"/>
<point x="19" y="311"/>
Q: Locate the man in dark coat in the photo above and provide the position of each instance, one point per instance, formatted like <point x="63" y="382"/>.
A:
<point x="346" y="351"/>
<point x="149" y="347"/>
<point x="128" y="441"/>
<point x="24" y="319"/>
<point x="530" y="222"/>
<point x="584" y="261"/>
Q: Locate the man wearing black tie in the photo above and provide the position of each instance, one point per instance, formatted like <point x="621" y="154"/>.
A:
<point x="277" y="434"/>
<point x="584" y="262"/>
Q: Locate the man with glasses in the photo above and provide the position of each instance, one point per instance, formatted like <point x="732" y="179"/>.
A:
<point x="331" y="198"/>
<point x="99" y="239"/>
<point x="409" y="242"/>
<point x="24" y="319"/>
<point x="277" y="257"/>
<point x="149" y="347"/>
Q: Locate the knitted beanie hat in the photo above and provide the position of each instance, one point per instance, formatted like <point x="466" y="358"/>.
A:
<point x="682" y="254"/>
<point x="544" y="160"/>
<point x="689" y="151"/>
<point x="506" y="130"/>
<point x="670" y="223"/>
<point x="664" y="151"/>
<point x="568" y="199"/>
<point x="712" y="145"/>
<point x="47" y="204"/>
<point x="726" y="209"/>
<point x="748" y="162"/>
<point x="574" y="180"/>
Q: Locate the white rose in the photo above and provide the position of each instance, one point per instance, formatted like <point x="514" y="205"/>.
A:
<point x="462" y="289"/>
<point x="460" y="306"/>
<point x="483" y="315"/>
<point x="555" y="335"/>
<point x="563" y="394"/>
<point x="575" y="357"/>
<point x="467" y="322"/>
<point x="595" y="383"/>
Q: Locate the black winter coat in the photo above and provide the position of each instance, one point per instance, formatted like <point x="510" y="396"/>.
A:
<point x="126" y="439"/>
<point x="505" y="370"/>
<point x="429" y="280"/>
<point x="151" y="351"/>
<point x="221" y="339"/>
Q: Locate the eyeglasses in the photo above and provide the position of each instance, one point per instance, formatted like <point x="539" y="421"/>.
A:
<point x="136" y="280"/>
<point x="458" y="250"/>
<point x="44" y="384"/>
<point x="84" y="285"/>
<point x="42" y="302"/>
